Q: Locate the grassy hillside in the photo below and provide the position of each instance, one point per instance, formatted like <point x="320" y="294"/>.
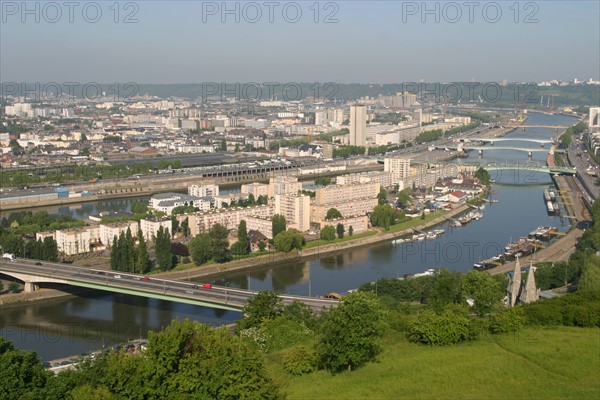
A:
<point x="548" y="363"/>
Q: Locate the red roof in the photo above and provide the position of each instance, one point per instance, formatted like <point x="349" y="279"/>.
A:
<point x="458" y="193"/>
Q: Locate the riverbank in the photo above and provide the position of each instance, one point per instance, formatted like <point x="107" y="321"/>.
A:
<point x="13" y="300"/>
<point x="248" y="264"/>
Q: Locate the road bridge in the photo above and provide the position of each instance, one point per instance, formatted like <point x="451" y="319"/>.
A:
<point x="34" y="273"/>
<point x="492" y="140"/>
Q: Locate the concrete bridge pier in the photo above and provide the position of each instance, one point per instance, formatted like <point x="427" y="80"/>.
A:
<point x="530" y="153"/>
<point x="30" y="287"/>
<point x="480" y="152"/>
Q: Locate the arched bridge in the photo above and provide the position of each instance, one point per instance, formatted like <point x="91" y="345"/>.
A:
<point x="224" y="298"/>
<point x="492" y="140"/>
<point x="539" y="126"/>
<point x="524" y="167"/>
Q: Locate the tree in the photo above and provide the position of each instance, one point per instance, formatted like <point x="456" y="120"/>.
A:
<point x="219" y="243"/>
<point x="328" y="233"/>
<point x="447" y="289"/>
<point x="223" y="145"/>
<point x="242" y="245"/>
<point x="333" y="213"/>
<point x="189" y="360"/>
<point x="279" y="224"/>
<point x="484" y="289"/>
<point x="261" y="245"/>
<point x="130" y="251"/>
<point x="382" y="196"/>
<point x="164" y="255"/>
<point x="483" y="176"/>
<point x="404" y="197"/>
<point x="185" y="227"/>
<point x="383" y="216"/>
<point x="251" y="199"/>
<point x="288" y="240"/>
<point x="590" y="277"/>
<point x="114" y="254"/>
<point x="22" y="375"/>
<point x="200" y="248"/>
<point x="350" y="231"/>
<point x="266" y="305"/>
<point x="85" y="152"/>
<point x="340" y="231"/>
<point x="350" y="333"/>
<point x="142" y="260"/>
<point x="50" y="249"/>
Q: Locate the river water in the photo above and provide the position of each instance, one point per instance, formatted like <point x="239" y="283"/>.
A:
<point x="72" y="325"/>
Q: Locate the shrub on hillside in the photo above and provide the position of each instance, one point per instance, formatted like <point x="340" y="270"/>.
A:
<point x="439" y="329"/>
<point x="507" y="320"/>
<point x="299" y="360"/>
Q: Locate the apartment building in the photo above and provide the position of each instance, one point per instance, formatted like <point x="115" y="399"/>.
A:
<point x="421" y="176"/>
<point x="166" y="202"/>
<point x="109" y="231"/>
<point x="203" y="190"/>
<point x="383" y="178"/>
<point x="346" y="208"/>
<point x="263" y="225"/>
<point x="284" y="185"/>
<point x="77" y="240"/>
<point x="151" y="226"/>
<point x="399" y="168"/>
<point x="255" y="189"/>
<point x="296" y="210"/>
<point x="336" y="194"/>
<point x="229" y="217"/>
<point x="359" y="224"/>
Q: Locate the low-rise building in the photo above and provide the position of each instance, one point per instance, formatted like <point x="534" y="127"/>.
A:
<point x="109" y="231"/>
<point x="256" y="189"/>
<point x="166" y="202"/>
<point x="77" y="240"/>
<point x="263" y="225"/>
<point x="151" y="226"/>
<point x="228" y="217"/>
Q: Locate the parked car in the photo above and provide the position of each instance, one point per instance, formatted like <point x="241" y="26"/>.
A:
<point x="117" y="276"/>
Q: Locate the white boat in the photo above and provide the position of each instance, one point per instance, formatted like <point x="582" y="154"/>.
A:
<point x="420" y="237"/>
<point x="429" y="272"/>
<point x="398" y="241"/>
<point x="457" y="224"/>
<point x="439" y="231"/>
<point x="431" y="235"/>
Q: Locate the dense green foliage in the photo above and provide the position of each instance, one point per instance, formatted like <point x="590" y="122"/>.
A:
<point x="350" y="333"/>
<point x="383" y="216"/>
<point x="327" y="233"/>
<point x="333" y="213"/>
<point x="289" y="240"/>
<point x="200" y="248"/>
<point x="483" y="176"/>
<point x="219" y="242"/>
<point x="347" y="151"/>
<point x="278" y="224"/>
<point x="164" y="254"/>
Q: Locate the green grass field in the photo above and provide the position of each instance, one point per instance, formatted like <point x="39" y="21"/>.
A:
<point x="557" y="363"/>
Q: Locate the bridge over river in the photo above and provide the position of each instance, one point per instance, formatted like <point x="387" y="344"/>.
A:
<point x="33" y="273"/>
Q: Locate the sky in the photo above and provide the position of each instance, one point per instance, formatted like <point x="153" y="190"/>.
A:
<point x="303" y="41"/>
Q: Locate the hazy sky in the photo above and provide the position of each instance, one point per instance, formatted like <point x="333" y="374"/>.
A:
<point x="376" y="42"/>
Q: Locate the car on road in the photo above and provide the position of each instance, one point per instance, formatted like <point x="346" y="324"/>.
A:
<point x="146" y="278"/>
<point x="38" y="263"/>
<point x="189" y="291"/>
<point x="117" y="276"/>
<point x="207" y="286"/>
<point x="136" y="278"/>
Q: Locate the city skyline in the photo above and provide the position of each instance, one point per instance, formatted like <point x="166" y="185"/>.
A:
<point x="378" y="42"/>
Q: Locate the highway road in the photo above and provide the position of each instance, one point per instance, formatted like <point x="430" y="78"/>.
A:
<point x="148" y="285"/>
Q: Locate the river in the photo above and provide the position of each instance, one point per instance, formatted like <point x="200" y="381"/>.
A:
<point x="73" y="325"/>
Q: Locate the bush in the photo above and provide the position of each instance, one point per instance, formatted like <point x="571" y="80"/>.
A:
<point x="581" y="308"/>
<point x="186" y="260"/>
<point x="507" y="320"/>
<point x="439" y="329"/>
<point x="284" y="332"/>
<point x="299" y="360"/>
